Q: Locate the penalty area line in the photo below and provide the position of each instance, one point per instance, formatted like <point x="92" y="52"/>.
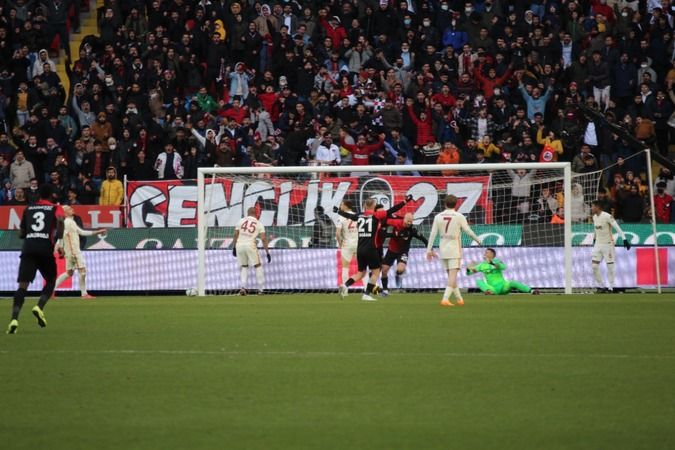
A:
<point x="320" y="354"/>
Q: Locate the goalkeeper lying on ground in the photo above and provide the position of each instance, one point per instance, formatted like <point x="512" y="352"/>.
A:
<point x="494" y="282"/>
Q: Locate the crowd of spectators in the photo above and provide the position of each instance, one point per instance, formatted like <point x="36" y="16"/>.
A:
<point x="168" y="86"/>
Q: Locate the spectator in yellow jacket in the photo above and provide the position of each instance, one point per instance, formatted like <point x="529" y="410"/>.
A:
<point x="112" y="190"/>
<point x="551" y="141"/>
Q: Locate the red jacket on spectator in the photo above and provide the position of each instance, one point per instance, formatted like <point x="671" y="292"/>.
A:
<point x="605" y="10"/>
<point x="336" y="34"/>
<point x="448" y="101"/>
<point x="662" y="205"/>
<point x="425" y="129"/>
<point x="238" y="114"/>
<point x="488" y="84"/>
<point x="361" y="153"/>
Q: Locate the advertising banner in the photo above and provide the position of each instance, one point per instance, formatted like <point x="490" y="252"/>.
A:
<point x="283" y="202"/>
<point x="306" y="269"/>
<point x="93" y="216"/>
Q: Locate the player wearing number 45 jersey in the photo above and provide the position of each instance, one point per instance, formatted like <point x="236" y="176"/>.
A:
<point x="368" y="250"/>
<point x="449" y="225"/>
<point x="245" y="248"/>
<point x="41" y="225"/>
<point x="347" y="237"/>
<point x="603" y="248"/>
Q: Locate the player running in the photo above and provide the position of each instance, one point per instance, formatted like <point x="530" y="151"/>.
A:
<point x="41" y="225"/>
<point x="494" y="282"/>
<point x="70" y="243"/>
<point x="245" y="248"/>
<point x="400" y="237"/>
<point x="347" y="237"/>
<point x="450" y="224"/>
<point x="368" y="250"/>
<point x="603" y="247"/>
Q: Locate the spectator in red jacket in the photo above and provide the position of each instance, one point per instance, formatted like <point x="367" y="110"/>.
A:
<point x="334" y="30"/>
<point x="424" y="124"/>
<point x="361" y="150"/>
<point x="662" y="203"/>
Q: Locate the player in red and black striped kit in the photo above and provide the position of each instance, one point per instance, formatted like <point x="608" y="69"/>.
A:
<point x="369" y="249"/>
<point x="400" y="233"/>
<point x="41" y="226"/>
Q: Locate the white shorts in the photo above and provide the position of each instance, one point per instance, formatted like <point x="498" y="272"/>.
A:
<point x="75" y="261"/>
<point x="451" y="263"/>
<point x="605" y="252"/>
<point x="247" y="256"/>
<point x="348" y="253"/>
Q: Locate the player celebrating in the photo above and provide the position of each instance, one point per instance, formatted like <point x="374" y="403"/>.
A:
<point x="70" y="243"/>
<point x="494" y="282"/>
<point x="41" y="224"/>
<point x="603" y="248"/>
<point x="347" y="237"/>
<point x="368" y="254"/>
<point x="450" y="224"/>
<point x="400" y="237"/>
<point x="244" y="247"/>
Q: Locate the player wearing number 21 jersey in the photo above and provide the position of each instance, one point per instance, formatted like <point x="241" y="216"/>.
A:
<point x="41" y="225"/>
<point x="245" y="248"/>
<point x="449" y="225"/>
<point x="368" y="255"/>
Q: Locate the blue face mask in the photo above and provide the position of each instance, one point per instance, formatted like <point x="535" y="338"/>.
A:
<point x="407" y="21"/>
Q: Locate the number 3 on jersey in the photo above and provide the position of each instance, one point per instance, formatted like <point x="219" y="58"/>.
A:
<point x="365" y="226"/>
<point x="38" y="221"/>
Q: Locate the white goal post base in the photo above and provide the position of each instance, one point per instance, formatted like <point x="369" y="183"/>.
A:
<point x="206" y="205"/>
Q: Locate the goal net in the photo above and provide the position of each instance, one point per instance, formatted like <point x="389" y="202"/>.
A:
<point x="524" y="211"/>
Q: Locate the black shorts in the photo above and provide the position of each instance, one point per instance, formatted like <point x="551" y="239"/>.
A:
<point x="391" y="257"/>
<point x="32" y="262"/>
<point x="368" y="259"/>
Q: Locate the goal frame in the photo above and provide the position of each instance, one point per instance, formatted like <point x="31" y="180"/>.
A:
<point x="203" y="172"/>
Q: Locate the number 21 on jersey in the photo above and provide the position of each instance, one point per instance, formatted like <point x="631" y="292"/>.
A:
<point x="365" y="226"/>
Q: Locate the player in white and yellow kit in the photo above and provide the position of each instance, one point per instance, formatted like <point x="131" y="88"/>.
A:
<point x="347" y="236"/>
<point x="70" y="243"/>
<point x="603" y="247"/>
<point x="449" y="224"/>
<point x="245" y="248"/>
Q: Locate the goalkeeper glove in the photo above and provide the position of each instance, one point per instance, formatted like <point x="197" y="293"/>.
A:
<point x="408" y="198"/>
<point x="269" y="258"/>
<point x="335" y="209"/>
<point x="234" y="251"/>
<point x="626" y="244"/>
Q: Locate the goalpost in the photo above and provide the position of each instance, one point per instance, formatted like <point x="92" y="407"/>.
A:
<point x="503" y="203"/>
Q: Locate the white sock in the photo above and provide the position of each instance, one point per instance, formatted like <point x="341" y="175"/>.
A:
<point x="597" y="276"/>
<point x="244" y="276"/>
<point x="610" y="275"/>
<point x="259" y="276"/>
<point x="83" y="283"/>
<point x="63" y="277"/>
<point x="345" y="274"/>
<point x="446" y="293"/>
<point x="458" y="293"/>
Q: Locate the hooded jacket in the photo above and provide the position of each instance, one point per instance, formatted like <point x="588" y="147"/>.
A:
<point x="112" y="191"/>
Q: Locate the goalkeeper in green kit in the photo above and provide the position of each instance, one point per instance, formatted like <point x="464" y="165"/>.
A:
<point x="494" y="282"/>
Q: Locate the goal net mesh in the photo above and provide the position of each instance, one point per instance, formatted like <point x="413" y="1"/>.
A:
<point x="519" y="213"/>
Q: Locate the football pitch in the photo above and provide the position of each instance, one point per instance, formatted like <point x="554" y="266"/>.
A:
<point x="310" y="371"/>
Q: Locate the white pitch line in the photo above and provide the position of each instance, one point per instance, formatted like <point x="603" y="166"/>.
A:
<point x="318" y="354"/>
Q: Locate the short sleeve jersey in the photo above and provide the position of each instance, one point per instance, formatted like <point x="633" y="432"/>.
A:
<point x="249" y="228"/>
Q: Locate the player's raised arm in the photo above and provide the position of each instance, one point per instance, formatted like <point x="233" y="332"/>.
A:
<point x="345" y="214"/>
<point x="613" y="223"/>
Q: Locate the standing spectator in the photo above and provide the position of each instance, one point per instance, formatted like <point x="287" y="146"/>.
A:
<point x="86" y="190"/>
<point x="449" y="155"/>
<point x="21" y="171"/>
<point x="535" y="101"/>
<point x="521" y="188"/>
<point x="631" y="209"/>
<point x="142" y="168"/>
<point x="580" y="210"/>
<point x="112" y="190"/>
<point x="662" y="203"/>
<point x="599" y="76"/>
<point x="168" y="164"/>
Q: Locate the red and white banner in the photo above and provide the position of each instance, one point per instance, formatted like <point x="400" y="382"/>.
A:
<point x="283" y="202"/>
<point x="93" y="216"/>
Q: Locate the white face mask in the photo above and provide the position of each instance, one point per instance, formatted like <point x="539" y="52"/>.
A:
<point x="445" y="7"/>
<point x="112" y="146"/>
<point x="426" y="23"/>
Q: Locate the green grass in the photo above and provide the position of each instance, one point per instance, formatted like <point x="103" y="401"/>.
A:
<point x="314" y="372"/>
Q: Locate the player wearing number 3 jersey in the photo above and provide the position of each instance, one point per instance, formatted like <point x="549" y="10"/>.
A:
<point x="449" y="225"/>
<point x="41" y="226"/>
<point x="245" y="248"/>
<point x="368" y="255"/>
